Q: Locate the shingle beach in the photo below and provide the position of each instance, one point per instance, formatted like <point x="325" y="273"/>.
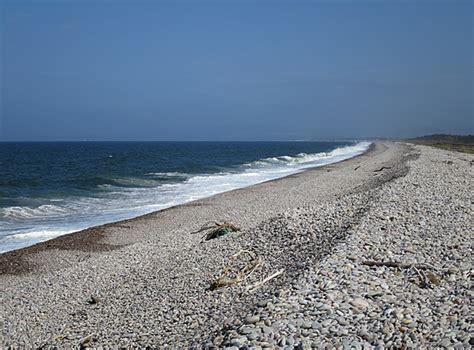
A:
<point x="371" y="252"/>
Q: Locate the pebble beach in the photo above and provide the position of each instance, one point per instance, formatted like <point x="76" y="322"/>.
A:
<point x="371" y="252"/>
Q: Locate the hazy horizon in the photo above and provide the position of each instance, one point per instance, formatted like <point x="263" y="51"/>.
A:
<point x="235" y="71"/>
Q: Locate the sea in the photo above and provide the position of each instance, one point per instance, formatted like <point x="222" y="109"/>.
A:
<point x="48" y="189"/>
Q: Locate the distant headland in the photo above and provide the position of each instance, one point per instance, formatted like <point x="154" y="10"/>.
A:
<point x="460" y="143"/>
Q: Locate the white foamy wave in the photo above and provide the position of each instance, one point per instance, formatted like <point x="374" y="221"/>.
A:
<point x="357" y="148"/>
<point x="45" y="210"/>
<point x="25" y="239"/>
<point x="169" y="174"/>
<point x="302" y="158"/>
<point x="36" y="235"/>
<point x="23" y="226"/>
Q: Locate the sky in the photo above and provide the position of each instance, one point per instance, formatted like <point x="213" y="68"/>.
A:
<point x="234" y="70"/>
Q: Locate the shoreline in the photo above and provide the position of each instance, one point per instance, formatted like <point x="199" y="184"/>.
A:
<point x="314" y="236"/>
<point x="89" y="239"/>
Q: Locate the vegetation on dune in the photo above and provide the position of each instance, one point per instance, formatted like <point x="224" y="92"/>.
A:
<point x="449" y="142"/>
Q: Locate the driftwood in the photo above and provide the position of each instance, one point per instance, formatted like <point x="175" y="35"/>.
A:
<point x="427" y="278"/>
<point x="86" y="339"/>
<point x="394" y="264"/>
<point x="421" y="275"/>
<point x="256" y="286"/>
<point x="382" y="168"/>
<point x="216" y="229"/>
<point x="232" y="276"/>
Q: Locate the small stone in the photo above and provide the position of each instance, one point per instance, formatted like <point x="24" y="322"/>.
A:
<point x="326" y="323"/>
<point x="374" y="294"/>
<point x="342" y="321"/>
<point x="218" y="340"/>
<point x="238" y="341"/>
<point x="445" y="342"/>
<point x="291" y="327"/>
<point x="290" y="340"/>
<point x="359" y="303"/>
<point x="433" y="279"/>
<point x="246" y="330"/>
<point x="282" y="341"/>
<point x="252" y="336"/>
<point x="252" y="319"/>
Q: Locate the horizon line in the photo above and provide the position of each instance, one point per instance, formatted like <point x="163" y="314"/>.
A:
<point x="250" y="140"/>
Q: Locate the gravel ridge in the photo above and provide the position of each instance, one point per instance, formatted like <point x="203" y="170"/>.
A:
<point x="400" y="203"/>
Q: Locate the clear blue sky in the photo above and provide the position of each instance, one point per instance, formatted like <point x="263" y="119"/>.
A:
<point x="235" y="70"/>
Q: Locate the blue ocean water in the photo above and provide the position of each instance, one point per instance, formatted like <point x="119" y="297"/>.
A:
<point x="49" y="189"/>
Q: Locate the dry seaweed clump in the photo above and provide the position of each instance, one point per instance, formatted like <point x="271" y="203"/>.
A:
<point x="216" y="229"/>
